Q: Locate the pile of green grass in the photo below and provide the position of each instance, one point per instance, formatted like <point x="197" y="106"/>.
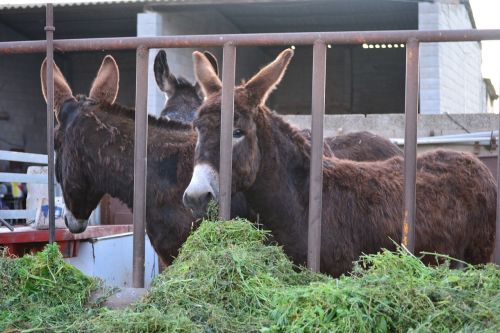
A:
<point x="394" y="292"/>
<point x="41" y="292"/>
<point x="226" y="279"/>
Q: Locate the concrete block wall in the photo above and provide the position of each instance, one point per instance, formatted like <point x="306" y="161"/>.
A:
<point x="21" y="99"/>
<point x="392" y="125"/>
<point x="450" y="73"/>
<point x="192" y="22"/>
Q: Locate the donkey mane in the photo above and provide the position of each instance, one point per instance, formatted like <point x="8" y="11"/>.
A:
<point x="129" y="113"/>
<point x="182" y="82"/>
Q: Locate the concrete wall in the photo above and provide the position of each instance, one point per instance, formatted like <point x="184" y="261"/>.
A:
<point x="450" y="73"/>
<point x="191" y="22"/>
<point x="21" y="99"/>
<point x="392" y="125"/>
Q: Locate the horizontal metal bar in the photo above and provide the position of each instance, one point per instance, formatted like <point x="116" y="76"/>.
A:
<point x="23" y="178"/>
<point x="18" y="214"/>
<point x="468" y="135"/>
<point x="432" y="140"/>
<point x="296" y="38"/>
<point x="23" y="157"/>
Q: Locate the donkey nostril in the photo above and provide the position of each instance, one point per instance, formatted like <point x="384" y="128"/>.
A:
<point x="66" y="220"/>
<point x="208" y="197"/>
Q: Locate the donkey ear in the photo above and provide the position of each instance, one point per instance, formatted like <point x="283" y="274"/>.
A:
<point x="105" y="85"/>
<point x="166" y="81"/>
<point x="266" y="80"/>
<point x="213" y="61"/>
<point x="62" y="91"/>
<point x="205" y="74"/>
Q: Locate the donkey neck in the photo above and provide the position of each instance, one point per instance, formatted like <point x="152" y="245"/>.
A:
<point x="280" y="191"/>
<point x="113" y="169"/>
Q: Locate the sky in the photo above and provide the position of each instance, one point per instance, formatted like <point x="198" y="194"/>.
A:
<point x="486" y="15"/>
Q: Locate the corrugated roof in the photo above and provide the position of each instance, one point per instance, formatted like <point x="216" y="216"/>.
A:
<point x="61" y="3"/>
<point x="19" y="4"/>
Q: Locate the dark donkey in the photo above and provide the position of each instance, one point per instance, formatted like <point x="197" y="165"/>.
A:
<point x="362" y="201"/>
<point x="183" y="97"/>
<point x="94" y="143"/>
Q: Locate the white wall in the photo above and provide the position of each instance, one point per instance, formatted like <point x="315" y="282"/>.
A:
<point x="192" y="22"/>
<point x="450" y="73"/>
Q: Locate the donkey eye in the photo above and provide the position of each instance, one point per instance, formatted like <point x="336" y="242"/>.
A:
<point x="237" y="133"/>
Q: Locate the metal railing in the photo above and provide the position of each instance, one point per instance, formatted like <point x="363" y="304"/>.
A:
<point x="230" y="42"/>
<point x="8" y="177"/>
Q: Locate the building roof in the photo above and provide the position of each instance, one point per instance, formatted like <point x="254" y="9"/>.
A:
<point x="68" y="3"/>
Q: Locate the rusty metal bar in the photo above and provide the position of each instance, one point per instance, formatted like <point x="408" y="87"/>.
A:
<point x="226" y="130"/>
<point x="496" y="254"/>
<point x="410" y="158"/>
<point x="49" y="31"/>
<point x="140" y="164"/>
<point x="316" y="172"/>
<point x="300" y="38"/>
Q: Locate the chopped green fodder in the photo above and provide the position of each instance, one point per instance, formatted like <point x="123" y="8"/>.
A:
<point x="41" y="292"/>
<point x="397" y="293"/>
<point x="223" y="280"/>
<point x="226" y="279"/>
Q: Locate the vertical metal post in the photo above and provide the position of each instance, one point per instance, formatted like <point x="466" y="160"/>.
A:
<point x="140" y="164"/>
<point x="49" y="31"/>
<point x="496" y="254"/>
<point x="410" y="158"/>
<point x="316" y="175"/>
<point x="226" y="130"/>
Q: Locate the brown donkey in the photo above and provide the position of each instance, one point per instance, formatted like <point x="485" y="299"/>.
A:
<point x="94" y="144"/>
<point x="184" y="98"/>
<point x="362" y="201"/>
<point x="358" y="146"/>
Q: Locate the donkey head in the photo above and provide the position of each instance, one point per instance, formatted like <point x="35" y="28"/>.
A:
<point x="72" y="167"/>
<point x="249" y="101"/>
<point x="183" y="98"/>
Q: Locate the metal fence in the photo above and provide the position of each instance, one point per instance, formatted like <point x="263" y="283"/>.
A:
<point x="230" y="42"/>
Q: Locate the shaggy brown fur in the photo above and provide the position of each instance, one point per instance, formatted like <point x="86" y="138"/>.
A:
<point x="95" y="156"/>
<point x="94" y="143"/>
<point x="358" y="146"/>
<point x="362" y="201"/>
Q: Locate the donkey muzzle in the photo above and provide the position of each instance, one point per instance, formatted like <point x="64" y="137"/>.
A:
<point x="201" y="190"/>
<point x="197" y="203"/>
<point x="74" y="225"/>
